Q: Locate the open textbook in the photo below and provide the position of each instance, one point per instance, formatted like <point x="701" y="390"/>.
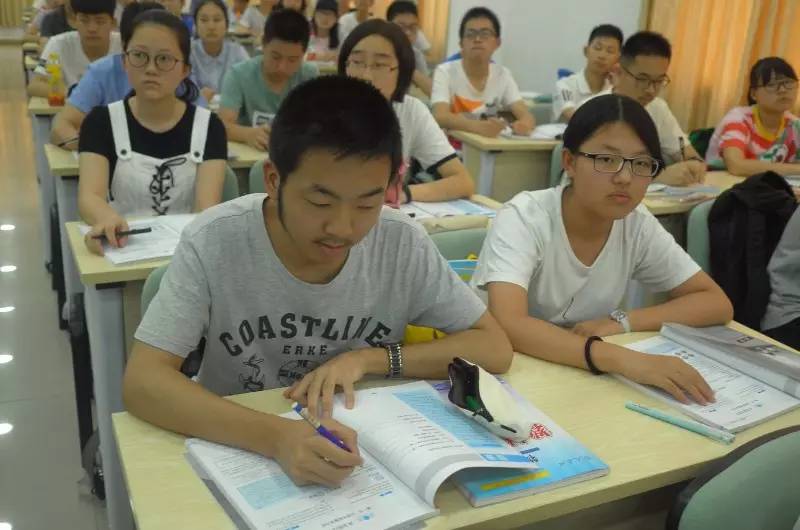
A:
<point x="427" y="210"/>
<point x="160" y="242"/>
<point x="547" y="131"/>
<point x="753" y="381"/>
<point x="411" y="440"/>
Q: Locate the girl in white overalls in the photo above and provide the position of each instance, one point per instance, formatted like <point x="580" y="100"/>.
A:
<point x="178" y="165"/>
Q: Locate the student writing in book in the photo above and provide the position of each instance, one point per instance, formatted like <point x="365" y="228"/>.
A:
<point x="253" y="90"/>
<point x="782" y="318"/>
<point x="765" y="135"/>
<point x="556" y="262"/>
<point x="151" y="153"/>
<point x="601" y="52"/>
<point x="324" y="42"/>
<point x="641" y="74"/>
<point x="212" y="54"/>
<point x="379" y="52"/>
<point x="472" y="93"/>
<point x="315" y="301"/>
<point x="94" y="22"/>
<point x="404" y="13"/>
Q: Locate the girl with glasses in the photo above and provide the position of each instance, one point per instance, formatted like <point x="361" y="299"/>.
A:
<point x="152" y="153"/>
<point x="556" y="262"/>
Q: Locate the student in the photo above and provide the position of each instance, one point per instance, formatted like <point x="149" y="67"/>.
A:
<point x="176" y="8"/>
<point x="255" y="17"/>
<point x="556" y="262"/>
<point x="324" y="42"/>
<point x="782" y="318"/>
<point x="312" y="298"/>
<point x="94" y="21"/>
<point x="378" y="52"/>
<point x="470" y="93"/>
<point x="212" y="54"/>
<point x="238" y="7"/>
<point x="602" y="52"/>
<point x="151" y="153"/>
<point x="47" y="8"/>
<point x="349" y="21"/>
<point x="641" y="74"/>
<point x="121" y="5"/>
<point x="764" y="136"/>
<point x="404" y="14"/>
<point x="56" y="22"/>
<point x="298" y="5"/>
<point x="253" y="90"/>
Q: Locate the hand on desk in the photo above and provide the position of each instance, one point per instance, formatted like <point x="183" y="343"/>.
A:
<point x="106" y="227"/>
<point x="490" y="127"/>
<point x="521" y="128"/>
<point x="601" y="327"/>
<point x="258" y="138"/>
<point x="684" y="173"/>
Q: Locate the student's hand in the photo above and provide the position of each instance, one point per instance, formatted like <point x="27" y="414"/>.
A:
<point x="490" y="127"/>
<point x="668" y="373"/>
<point x="521" y="128"/>
<point x="109" y="228"/>
<point x="601" y="327"/>
<point x="698" y="170"/>
<point x="258" y="138"/>
<point x="683" y="173"/>
<point x="309" y="458"/>
<point x="207" y="93"/>
<point x="320" y="385"/>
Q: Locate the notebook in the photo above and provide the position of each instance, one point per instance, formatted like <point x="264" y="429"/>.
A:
<point x="427" y="210"/>
<point x="547" y="131"/>
<point x="412" y="441"/>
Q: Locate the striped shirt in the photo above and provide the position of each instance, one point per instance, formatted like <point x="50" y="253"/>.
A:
<point x="742" y="128"/>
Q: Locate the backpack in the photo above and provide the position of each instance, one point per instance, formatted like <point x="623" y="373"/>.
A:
<point x="745" y="225"/>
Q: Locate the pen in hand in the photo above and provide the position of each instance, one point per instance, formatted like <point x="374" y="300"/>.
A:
<point x="682" y="145"/>
<point x="124" y="233"/>
<point x="319" y="427"/>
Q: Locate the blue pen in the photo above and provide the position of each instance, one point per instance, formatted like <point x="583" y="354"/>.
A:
<point x="319" y="427"/>
<point x="690" y="425"/>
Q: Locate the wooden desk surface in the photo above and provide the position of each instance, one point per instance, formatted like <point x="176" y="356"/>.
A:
<point x="31" y="47"/>
<point x="40" y="107"/>
<point x="643" y="454"/>
<point x="503" y="144"/>
<point x="660" y="205"/>
<point x="242" y="156"/>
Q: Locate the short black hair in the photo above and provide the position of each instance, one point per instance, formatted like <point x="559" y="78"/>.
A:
<point x="479" y="12"/>
<point x="332" y="6"/>
<point x="605" y="110"/>
<point x="402" y="49"/>
<point x="287" y="25"/>
<point x="764" y="70"/>
<point x="346" y="116"/>
<point x="303" y="6"/>
<point x="606" y="30"/>
<point x="93" y="7"/>
<point x="401" y="7"/>
<point x="130" y="13"/>
<point x="647" y="43"/>
<point x="219" y="3"/>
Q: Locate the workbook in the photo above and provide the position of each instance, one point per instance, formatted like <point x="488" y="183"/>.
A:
<point x="160" y="242"/>
<point x="427" y="210"/>
<point x="411" y="439"/>
<point x="753" y="381"/>
<point x="547" y="131"/>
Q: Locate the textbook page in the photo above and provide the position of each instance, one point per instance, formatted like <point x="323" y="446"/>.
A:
<point x="423" y="439"/>
<point x="422" y="210"/>
<point x="741" y="401"/>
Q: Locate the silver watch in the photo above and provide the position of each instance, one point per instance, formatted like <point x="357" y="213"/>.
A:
<point x="394" y="353"/>
<point x="621" y="316"/>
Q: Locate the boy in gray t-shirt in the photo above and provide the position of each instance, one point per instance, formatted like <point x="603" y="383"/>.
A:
<point x="310" y="286"/>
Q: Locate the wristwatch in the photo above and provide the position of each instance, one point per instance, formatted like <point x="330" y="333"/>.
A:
<point x="621" y="316"/>
<point x="394" y="353"/>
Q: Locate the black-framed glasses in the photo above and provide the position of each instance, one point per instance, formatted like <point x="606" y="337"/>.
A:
<point x="163" y="61"/>
<point x="641" y="166"/>
<point x="644" y="82"/>
<point x="774" y="86"/>
<point x="483" y="34"/>
<point x="377" y="69"/>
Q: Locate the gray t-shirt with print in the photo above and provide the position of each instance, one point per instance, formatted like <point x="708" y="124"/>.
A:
<point x="265" y="328"/>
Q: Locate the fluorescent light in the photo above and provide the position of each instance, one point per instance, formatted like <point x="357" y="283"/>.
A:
<point x="5" y="526"/>
<point x="6" y="228"/>
<point x="5" y="428"/>
<point x="8" y="268"/>
<point x="6" y="309"/>
<point x="4" y="359"/>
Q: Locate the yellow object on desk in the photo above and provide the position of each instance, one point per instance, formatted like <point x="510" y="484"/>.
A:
<point x="643" y="455"/>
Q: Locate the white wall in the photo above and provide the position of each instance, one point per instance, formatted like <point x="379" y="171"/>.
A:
<point x="541" y="36"/>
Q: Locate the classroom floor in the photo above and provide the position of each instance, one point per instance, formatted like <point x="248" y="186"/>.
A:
<point x="40" y="469"/>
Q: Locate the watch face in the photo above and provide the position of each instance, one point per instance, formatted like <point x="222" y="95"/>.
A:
<point x="618" y="315"/>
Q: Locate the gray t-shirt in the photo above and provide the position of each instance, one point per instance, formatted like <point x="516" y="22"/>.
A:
<point x="784" y="277"/>
<point x="264" y="328"/>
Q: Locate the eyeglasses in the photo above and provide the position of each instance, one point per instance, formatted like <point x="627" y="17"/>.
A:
<point x="483" y="34"/>
<point x="774" y="86"/>
<point x="377" y="69"/>
<point x="644" y="82"/>
<point x="641" y="166"/>
<point x="163" y="61"/>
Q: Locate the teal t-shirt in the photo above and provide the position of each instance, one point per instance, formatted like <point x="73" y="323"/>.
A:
<point x="244" y="88"/>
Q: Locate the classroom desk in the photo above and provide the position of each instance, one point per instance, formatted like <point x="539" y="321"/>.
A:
<point x="30" y="63"/>
<point x="41" y="114"/>
<point x="112" y="295"/>
<point x="30" y="48"/>
<point x="643" y="454"/>
<point x="502" y="167"/>
<point x="660" y="205"/>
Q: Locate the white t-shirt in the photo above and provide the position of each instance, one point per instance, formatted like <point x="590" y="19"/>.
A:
<point x="572" y="91"/>
<point x="451" y="86"/>
<point x="71" y="56"/>
<point x="421" y="42"/>
<point x="423" y="139"/>
<point x="348" y="23"/>
<point x="253" y="20"/>
<point x="527" y="245"/>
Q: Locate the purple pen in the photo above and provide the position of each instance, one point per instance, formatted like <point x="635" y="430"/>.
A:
<point x="319" y="427"/>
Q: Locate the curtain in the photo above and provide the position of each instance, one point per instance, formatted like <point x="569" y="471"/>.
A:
<point x="433" y="16"/>
<point x="714" y="44"/>
<point x="11" y="12"/>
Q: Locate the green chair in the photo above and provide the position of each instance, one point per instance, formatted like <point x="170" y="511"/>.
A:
<point x="756" y="486"/>
<point x="697" y="240"/>
<point x="458" y="244"/>
<point x="555" y="165"/>
<point x="257" y="178"/>
<point x="700" y="138"/>
<point x="230" y="189"/>
<point x="151" y="285"/>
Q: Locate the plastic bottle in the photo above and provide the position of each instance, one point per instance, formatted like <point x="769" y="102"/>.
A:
<point x="58" y="90"/>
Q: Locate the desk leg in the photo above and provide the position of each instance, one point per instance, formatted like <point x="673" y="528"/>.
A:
<point x="47" y="198"/>
<point x="67" y="196"/>
<point x="105" y="322"/>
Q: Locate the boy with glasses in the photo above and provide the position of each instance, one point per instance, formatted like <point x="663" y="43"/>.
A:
<point x="474" y="94"/>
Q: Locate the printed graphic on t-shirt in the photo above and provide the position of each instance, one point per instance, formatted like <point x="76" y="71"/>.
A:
<point x="476" y="108"/>
<point x="262" y="118"/>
